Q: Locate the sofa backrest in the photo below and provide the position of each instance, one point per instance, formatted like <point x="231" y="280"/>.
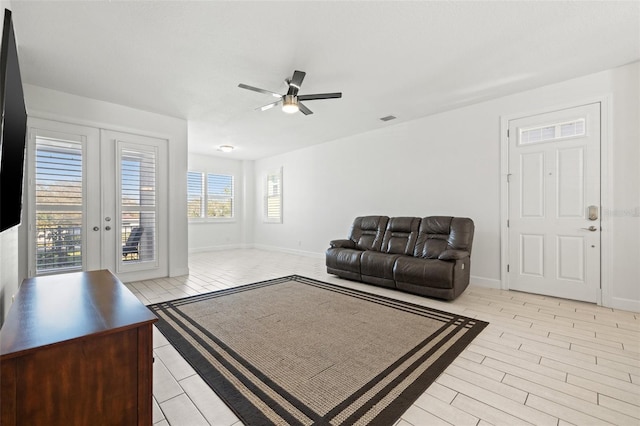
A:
<point x="401" y="235"/>
<point x="367" y="232"/>
<point x="440" y="233"/>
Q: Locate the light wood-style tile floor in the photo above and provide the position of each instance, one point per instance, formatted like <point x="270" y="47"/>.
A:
<point x="542" y="360"/>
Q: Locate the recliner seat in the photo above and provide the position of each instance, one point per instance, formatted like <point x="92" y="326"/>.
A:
<point x="427" y="256"/>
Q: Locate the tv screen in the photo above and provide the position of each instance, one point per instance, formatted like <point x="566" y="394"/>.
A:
<point x="14" y="129"/>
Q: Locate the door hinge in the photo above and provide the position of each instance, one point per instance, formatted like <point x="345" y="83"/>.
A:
<point x="507" y="223"/>
<point x="507" y="132"/>
<point x="507" y="268"/>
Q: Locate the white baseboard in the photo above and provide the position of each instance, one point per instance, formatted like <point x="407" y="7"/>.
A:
<point x="219" y="248"/>
<point x="485" y="282"/>
<point x="623" y="304"/>
<point x="289" y="251"/>
<point x="179" y="271"/>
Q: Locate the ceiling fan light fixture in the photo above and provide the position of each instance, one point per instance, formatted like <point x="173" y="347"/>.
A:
<point x="226" y="148"/>
<point x="290" y="104"/>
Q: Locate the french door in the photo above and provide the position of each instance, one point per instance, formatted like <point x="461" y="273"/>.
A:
<point x="554" y="203"/>
<point x="96" y="201"/>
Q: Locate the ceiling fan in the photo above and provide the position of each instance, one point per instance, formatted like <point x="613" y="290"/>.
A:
<point x="291" y="100"/>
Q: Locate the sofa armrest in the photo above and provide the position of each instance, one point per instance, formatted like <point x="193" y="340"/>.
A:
<point x="453" y="255"/>
<point x="342" y="244"/>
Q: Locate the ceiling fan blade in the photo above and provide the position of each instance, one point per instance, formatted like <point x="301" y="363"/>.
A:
<point x="269" y="106"/>
<point x="320" y="96"/>
<point x="295" y="82"/>
<point x="297" y="78"/>
<point x="304" y="109"/>
<point x="255" y="89"/>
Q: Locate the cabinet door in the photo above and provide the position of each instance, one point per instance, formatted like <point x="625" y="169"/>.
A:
<point x="93" y="381"/>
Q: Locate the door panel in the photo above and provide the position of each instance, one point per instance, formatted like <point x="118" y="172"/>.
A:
<point x="532" y="255"/>
<point x="554" y="169"/>
<point x="60" y="207"/>
<point x="137" y="205"/>
<point x="571" y="258"/>
<point x="571" y="183"/>
<point x="532" y="191"/>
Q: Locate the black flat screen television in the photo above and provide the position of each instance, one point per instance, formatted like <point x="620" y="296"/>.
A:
<point x="13" y="134"/>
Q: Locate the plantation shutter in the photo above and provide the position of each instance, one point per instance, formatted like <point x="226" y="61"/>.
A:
<point x="195" y="195"/>
<point x="138" y="203"/>
<point x="59" y="181"/>
<point x="273" y="197"/>
<point x="219" y="196"/>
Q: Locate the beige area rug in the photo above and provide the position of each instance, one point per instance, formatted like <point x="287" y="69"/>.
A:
<point x="297" y="351"/>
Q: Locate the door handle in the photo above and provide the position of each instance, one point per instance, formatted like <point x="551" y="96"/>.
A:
<point x="591" y="228"/>
<point x="96" y="228"/>
<point x="108" y="228"/>
<point x="593" y="212"/>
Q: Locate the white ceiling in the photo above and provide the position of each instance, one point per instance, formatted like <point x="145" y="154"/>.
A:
<point x="408" y="59"/>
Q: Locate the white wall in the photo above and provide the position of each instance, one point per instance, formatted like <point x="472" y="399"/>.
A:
<point x="449" y="164"/>
<point x="54" y="105"/>
<point x="222" y="234"/>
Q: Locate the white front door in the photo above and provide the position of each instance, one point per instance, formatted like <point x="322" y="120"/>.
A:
<point x="554" y="203"/>
<point x="95" y="202"/>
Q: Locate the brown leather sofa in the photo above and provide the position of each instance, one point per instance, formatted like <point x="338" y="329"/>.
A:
<point x="427" y="256"/>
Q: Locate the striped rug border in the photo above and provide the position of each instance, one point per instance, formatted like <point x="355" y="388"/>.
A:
<point x="235" y="372"/>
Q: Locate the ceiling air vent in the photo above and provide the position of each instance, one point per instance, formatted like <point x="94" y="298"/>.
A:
<point x="388" y="118"/>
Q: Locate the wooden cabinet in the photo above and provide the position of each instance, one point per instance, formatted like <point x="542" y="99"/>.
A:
<point x="76" y="349"/>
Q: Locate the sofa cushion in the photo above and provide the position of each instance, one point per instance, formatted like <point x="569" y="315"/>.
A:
<point x="344" y="259"/>
<point x="438" y="234"/>
<point x="367" y="232"/>
<point x="433" y="237"/>
<point x="425" y="272"/>
<point x="376" y="264"/>
<point x="461" y="235"/>
<point x="400" y="235"/>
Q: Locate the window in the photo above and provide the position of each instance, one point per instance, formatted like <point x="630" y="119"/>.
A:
<point x="219" y="196"/>
<point x="195" y="195"/>
<point x="273" y="197"/>
<point x="58" y="201"/>
<point x="210" y="196"/>
<point x="138" y="203"/>
<point x="552" y="132"/>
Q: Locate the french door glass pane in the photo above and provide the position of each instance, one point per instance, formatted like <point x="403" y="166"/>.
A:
<point x="59" y="210"/>
<point x="138" y="205"/>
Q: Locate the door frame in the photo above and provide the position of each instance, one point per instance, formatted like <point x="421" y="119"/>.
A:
<point x="23" y="235"/>
<point x="605" y="101"/>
